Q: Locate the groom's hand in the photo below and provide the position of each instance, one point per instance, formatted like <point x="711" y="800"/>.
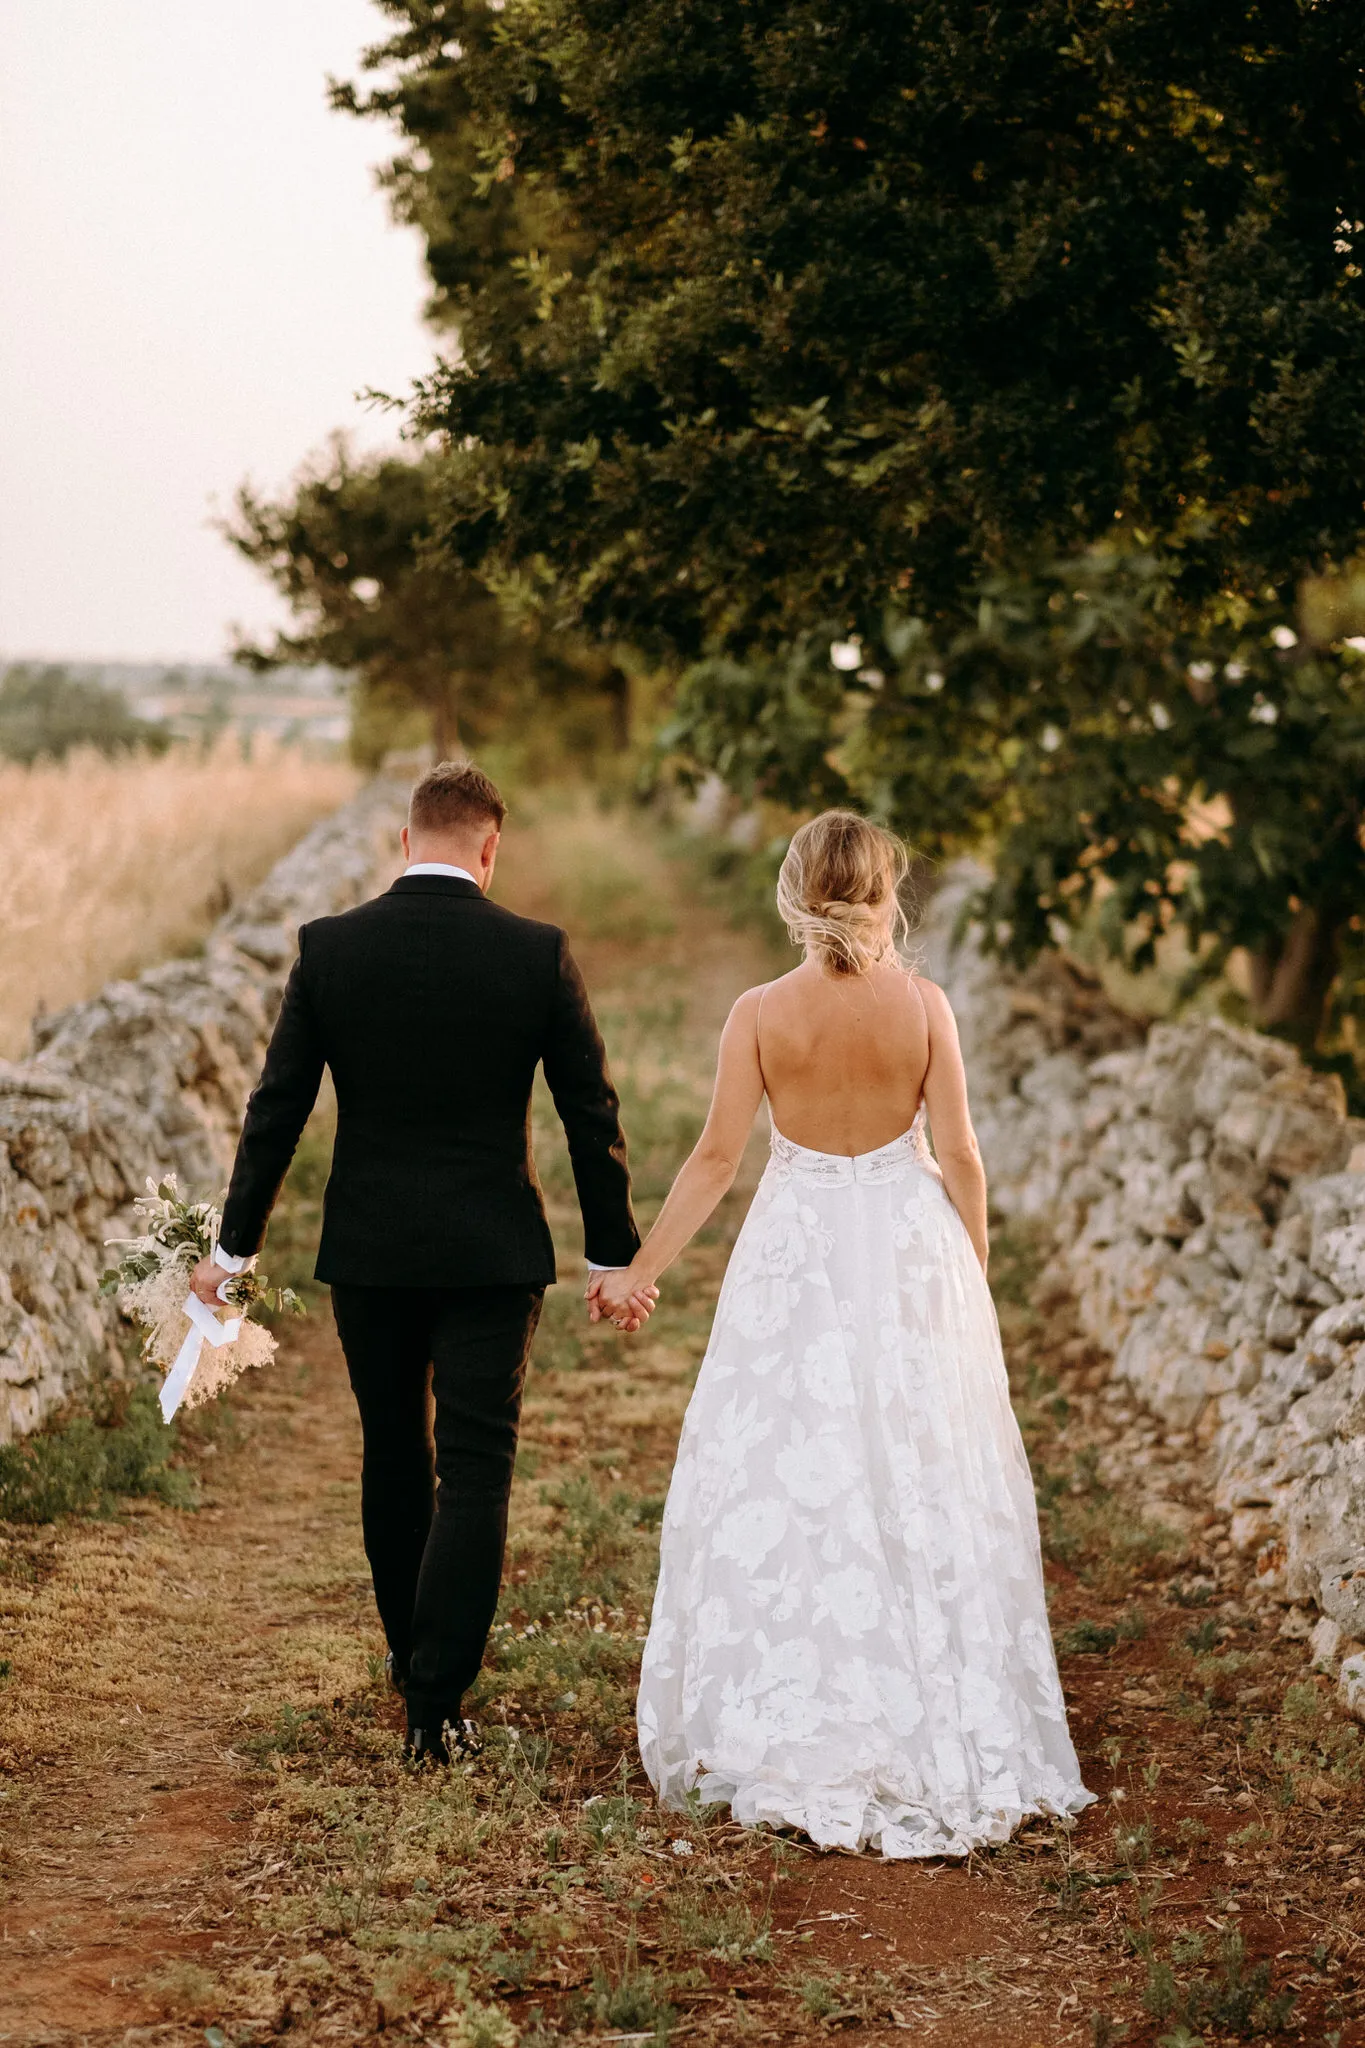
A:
<point x="610" y="1298"/>
<point x="205" y="1281"/>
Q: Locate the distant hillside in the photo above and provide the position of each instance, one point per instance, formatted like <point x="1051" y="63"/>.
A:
<point x="198" y="700"/>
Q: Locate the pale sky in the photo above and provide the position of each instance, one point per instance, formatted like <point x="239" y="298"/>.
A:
<point x="196" y="278"/>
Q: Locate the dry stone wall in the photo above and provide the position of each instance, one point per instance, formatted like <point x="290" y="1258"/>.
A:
<point x="151" y="1075"/>
<point x="1206" y="1196"/>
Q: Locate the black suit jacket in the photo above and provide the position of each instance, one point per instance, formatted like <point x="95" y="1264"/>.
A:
<point x="433" y="1007"/>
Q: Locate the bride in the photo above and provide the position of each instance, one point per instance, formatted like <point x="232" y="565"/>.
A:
<point x="850" y="1635"/>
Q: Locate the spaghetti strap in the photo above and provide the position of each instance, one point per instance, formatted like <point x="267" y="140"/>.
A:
<point x="758" y="1037"/>
<point x="913" y="980"/>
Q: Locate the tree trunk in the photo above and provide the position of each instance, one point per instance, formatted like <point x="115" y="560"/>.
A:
<point x="618" y="686"/>
<point x="1289" y="988"/>
<point x="445" y="725"/>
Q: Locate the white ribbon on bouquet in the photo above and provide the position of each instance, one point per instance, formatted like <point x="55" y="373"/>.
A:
<point x="204" y="1328"/>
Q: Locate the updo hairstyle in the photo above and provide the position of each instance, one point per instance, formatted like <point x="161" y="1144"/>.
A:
<point x="837" y="892"/>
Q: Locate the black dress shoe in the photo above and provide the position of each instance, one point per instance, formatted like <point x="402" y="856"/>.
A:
<point x="426" y="1745"/>
<point x="465" y="1740"/>
<point x="454" y="1741"/>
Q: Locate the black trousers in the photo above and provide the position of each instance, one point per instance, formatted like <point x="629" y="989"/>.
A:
<point x="433" y="1502"/>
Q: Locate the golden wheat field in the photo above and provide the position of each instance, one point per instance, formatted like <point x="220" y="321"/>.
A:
<point x="107" y="866"/>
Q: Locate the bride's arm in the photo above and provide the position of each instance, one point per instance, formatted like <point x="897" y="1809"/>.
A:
<point x="710" y="1169"/>
<point x="945" y="1098"/>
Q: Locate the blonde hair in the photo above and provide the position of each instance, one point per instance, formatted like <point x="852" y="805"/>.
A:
<point x="837" y="892"/>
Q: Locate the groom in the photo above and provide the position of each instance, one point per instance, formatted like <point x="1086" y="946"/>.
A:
<point x="433" y="1008"/>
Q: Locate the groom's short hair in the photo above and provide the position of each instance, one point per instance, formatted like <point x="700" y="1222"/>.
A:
<point x="452" y="796"/>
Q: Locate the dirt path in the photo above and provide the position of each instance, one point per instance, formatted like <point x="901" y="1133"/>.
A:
<point x="146" y="1647"/>
<point x="208" y="1834"/>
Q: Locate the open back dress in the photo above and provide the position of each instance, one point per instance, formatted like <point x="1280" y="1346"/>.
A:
<point x="850" y="1635"/>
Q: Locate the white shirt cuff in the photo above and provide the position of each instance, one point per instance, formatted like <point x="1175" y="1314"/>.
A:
<point x="233" y="1262"/>
<point x="593" y="1267"/>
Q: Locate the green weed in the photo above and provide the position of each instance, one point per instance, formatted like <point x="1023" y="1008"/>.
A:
<point x="824" y="1999"/>
<point x="513" y="1967"/>
<point x="601" y="1555"/>
<point x="1085" y="1526"/>
<point x="1071" y="1890"/>
<point x="352" y="1894"/>
<point x="471" y="2022"/>
<point x="1086" y="1638"/>
<point x="612" y="1822"/>
<point x="1233" y="1999"/>
<point x="629" y="1999"/>
<point x="1133" y="1845"/>
<point x="1218" y="1677"/>
<point x="284" y="1738"/>
<point x="1198" y="1591"/>
<point x="1302" y="1702"/>
<point x="727" y="1929"/>
<point x="81" y="1469"/>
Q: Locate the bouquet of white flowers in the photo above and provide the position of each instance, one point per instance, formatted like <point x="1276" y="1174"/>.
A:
<point x="199" y="1355"/>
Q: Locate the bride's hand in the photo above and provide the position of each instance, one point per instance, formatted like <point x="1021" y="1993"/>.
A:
<point x="617" y="1297"/>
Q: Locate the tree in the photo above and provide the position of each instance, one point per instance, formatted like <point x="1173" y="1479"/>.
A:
<point x="866" y="296"/>
<point x="45" y="712"/>
<point x="1113" y="762"/>
<point x="953" y="310"/>
<point x="348" y="550"/>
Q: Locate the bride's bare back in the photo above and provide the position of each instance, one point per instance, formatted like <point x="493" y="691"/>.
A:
<point x="845" y="1061"/>
<point x="843" y="1057"/>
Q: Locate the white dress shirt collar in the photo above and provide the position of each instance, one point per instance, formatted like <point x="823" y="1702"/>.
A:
<point x="441" y="867"/>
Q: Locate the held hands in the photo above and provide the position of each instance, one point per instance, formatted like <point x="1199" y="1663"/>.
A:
<point x="617" y="1297"/>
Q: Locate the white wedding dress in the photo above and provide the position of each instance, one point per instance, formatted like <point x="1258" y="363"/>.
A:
<point x="849" y="1634"/>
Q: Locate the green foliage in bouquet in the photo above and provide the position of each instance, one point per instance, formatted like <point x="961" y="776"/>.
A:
<point x="179" y="1234"/>
<point x="152" y="1280"/>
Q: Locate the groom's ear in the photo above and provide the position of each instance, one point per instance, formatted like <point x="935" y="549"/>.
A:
<point x="403" y="842"/>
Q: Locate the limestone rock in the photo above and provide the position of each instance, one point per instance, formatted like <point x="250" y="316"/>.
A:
<point x="1351" y="1684"/>
<point x="1324" y="1645"/>
<point x="1250" y="1528"/>
<point x="151" y="1074"/>
<point x="1343" y="1593"/>
<point x="1207" y="1193"/>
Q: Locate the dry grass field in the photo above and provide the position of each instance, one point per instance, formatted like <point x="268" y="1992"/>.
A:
<point x="210" y="1836"/>
<point x="107" y="866"/>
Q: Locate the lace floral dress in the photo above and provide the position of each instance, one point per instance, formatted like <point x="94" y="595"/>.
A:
<point x="849" y="1634"/>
